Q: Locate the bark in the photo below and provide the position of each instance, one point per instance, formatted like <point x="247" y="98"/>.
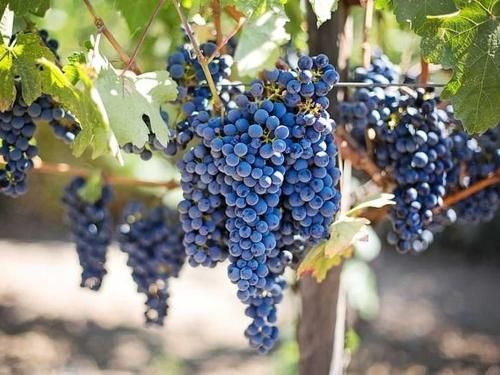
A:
<point x="316" y="328"/>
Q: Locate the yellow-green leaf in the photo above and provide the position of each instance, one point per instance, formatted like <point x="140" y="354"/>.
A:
<point x="381" y="200"/>
<point x="317" y="264"/>
<point x="344" y="233"/>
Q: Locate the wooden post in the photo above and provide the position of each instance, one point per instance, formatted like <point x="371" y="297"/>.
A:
<point x="316" y="328"/>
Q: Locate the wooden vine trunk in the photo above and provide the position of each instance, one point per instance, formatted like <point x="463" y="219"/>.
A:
<point x="316" y="328"/>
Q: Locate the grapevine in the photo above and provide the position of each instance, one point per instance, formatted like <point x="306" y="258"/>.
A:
<point x="257" y="148"/>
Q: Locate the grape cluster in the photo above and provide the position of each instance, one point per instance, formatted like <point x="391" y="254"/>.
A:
<point x="17" y="128"/>
<point x="266" y="171"/>
<point x="153" y="243"/>
<point x="475" y="159"/>
<point x="91" y="228"/>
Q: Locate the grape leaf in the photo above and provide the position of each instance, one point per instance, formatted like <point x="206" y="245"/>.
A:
<point x="84" y="105"/>
<point x="7" y="25"/>
<point x="323" y="10"/>
<point x="416" y="12"/>
<point x="379" y="201"/>
<point x="135" y="13"/>
<point x="464" y="35"/>
<point x="260" y="42"/>
<point x="23" y="7"/>
<point x="128" y="97"/>
<point x="318" y="265"/>
<point x="21" y="59"/>
<point x="344" y="233"/>
<point x="254" y="7"/>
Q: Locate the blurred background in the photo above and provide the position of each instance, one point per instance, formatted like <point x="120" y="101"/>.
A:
<point x="437" y="313"/>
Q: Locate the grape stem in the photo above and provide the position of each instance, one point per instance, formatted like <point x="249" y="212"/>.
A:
<point x="71" y="170"/>
<point x="142" y="38"/>
<point x="101" y="27"/>
<point x="424" y="71"/>
<point x="240" y="19"/>
<point x="203" y="61"/>
<point x="360" y="159"/>
<point x="216" y="12"/>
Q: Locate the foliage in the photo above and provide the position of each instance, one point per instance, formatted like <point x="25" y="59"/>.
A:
<point x="464" y="35"/>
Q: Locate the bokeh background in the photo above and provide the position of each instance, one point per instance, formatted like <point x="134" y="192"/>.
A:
<point x="437" y="313"/>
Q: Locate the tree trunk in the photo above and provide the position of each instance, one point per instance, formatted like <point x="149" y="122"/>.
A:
<point x="319" y="300"/>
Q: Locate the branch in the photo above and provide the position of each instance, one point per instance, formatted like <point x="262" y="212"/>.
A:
<point x="203" y="61"/>
<point x="360" y="159"/>
<point x="240" y="21"/>
<point x="143" y="35"/>
<point x="70" y="170"/>
<point x="101" y="27"/>
<point x="454" y="198"/>
<point x="424" y="72"/>
<point x="216" y="12"/>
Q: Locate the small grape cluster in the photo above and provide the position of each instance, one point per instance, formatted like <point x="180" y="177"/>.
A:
<point x="17" y="128"/>
<point x="194" y="94"/>
<point x="267" y="172"/>
<point x="474" y="159"/>
<point x="153" y="242"/>
<point x="91" y="228"/>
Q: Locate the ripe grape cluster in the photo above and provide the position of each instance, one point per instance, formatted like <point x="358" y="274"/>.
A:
<point x="266" y="171"/>
<point x="91" y="228"/>
<point x="153" y="242"/>
<point x="424" y="149"/>
<point x="474" y="159"/>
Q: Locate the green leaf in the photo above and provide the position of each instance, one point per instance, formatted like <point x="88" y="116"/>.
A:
<point x="7" y="25"/>
<point x="21" y="59"/>
<point x="317" y="264"/>
<point x="127" y="98"/>
<point x="381" y="200"/>
<point x="135" y="13"/>
<point x="323" y="10"/>
<point x="91" y="192"/>
<point x="344" y="233"/>
<point x="416" y="12"/>
<point x="254" y="7"/>
<point x="260" y="42"/>
<point x="464" y="35"/>
<point x="23" y="7"/>
<point x="84" y="104"/>
<point x="7" y="87"/>
<point x="329" y="253"/>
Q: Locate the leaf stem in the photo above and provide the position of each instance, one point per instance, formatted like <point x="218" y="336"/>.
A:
<point x="203" y="61"/>
<point x="137" y="48"/>
<point x="101" y="27"/>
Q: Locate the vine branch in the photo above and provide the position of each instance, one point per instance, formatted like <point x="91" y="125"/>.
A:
<point x="360" y="159"/>
<point x="216" y="12"/>
<point x="203" y="61"/>
<point x="64" y="169"/>
<point x="102" y="28"/>
<point x="142" y="38"/>
<point x="454" y="198"/>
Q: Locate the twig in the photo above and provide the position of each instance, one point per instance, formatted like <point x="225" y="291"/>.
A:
<point x="424" y="72"/>
<point x="202" y="60"/>
<point x="71" y="170"/>
<point x="137" y="48"/>
<point x="101" y="27"/>
<point x="454" y="198"/>
<point x="228" y="37"/>
<point x="368" y="23"/>
<point x="216" y="12"/>
<point x="359" y="159"/>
